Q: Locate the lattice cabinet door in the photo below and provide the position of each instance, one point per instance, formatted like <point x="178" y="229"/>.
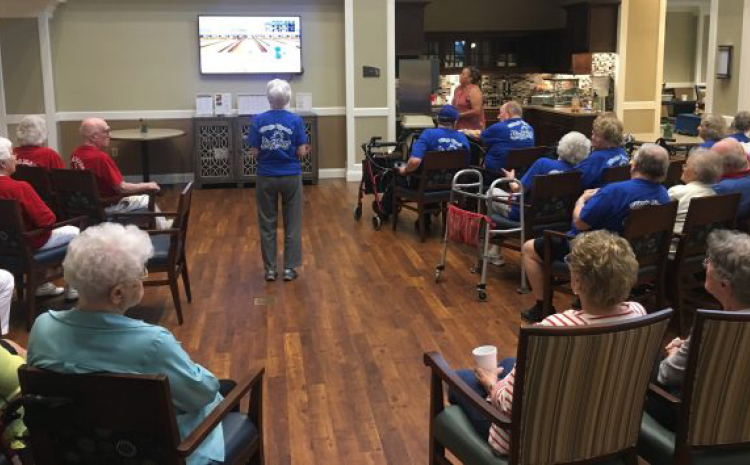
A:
<point x="247" y="165"/>
<point x="214" y="151"/>
<point x="310" y="161"/>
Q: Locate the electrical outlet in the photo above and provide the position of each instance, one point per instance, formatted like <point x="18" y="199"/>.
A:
<point x="114" y="151"/>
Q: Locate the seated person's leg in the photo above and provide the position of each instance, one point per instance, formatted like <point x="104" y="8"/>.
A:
<point x="7" y="284"/>
<point x="533" y="258"/>
<point x="61" y="236"/>
<point x="661" y="410"/>
<point x="386" y="201"/>
<point x="480" y="423"/>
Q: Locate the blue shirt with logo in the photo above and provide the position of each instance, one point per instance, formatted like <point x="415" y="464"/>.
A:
<point x="540" y="167"/>
<point x="277" y="134"/>
<point x="592" y="167"/>
<point x="741" y="137"/>
<point x="441" y="140"/>
<point x="513" y="133"/>
<point x="611" y="204"/>
<point x="741" y="185"/>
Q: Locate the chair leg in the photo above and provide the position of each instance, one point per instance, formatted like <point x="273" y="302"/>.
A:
<point x="549" y="294"/>
<point x="30" y="299"/>
<point x="421" y="216"/>
<point x="437" y="451"/>
<point x="186" y="281"/>
<point x="394" y="212"/>
<point x="175" y="295"/>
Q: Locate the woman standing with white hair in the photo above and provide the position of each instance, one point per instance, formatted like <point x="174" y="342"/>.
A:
<point x="278" y="139"/>
<point x="107" y="263"/>
<point x="31" y="134"/>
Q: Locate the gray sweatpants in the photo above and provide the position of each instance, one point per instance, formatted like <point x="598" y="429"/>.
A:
<point x="267" y="191"/>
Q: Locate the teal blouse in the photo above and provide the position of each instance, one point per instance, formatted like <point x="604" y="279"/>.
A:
<point x="73" y="341"/>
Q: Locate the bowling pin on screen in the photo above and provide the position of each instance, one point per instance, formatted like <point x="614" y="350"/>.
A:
<point x="250" y="44"/>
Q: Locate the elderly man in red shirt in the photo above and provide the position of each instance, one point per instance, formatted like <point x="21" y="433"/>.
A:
<point x="35" y="213"/>
<point x="91" y="156"/>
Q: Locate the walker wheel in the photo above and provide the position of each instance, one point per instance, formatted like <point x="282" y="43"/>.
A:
<point x="376" y="223"/>
<point x="358" y="213"/>
<point x="437" y="275"/>
<point x="482" y="296"/>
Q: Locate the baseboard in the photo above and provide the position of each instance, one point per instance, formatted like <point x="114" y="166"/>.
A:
<point x="166" y="178"/>
<point x="354" y="173"/>
<point x="332" y="173"/>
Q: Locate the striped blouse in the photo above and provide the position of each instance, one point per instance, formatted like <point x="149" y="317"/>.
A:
<point x="502" y="393"/>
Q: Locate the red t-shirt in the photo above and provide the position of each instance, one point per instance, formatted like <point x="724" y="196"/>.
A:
<point x="36" y="213"/>
<point x="43" y="157"/>
<point x="108" y="175"/>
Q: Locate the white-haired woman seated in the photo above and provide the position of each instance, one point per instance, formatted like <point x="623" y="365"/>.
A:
<point x="572" y="149"/>
<point x="701" y="170"/>
<point x="106" y="263"/>
<point x="31" y="134"/>
<point x="278" y="139"/>
<point x="603" y="270"/>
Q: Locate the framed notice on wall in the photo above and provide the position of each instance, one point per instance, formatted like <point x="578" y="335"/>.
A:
<point x="724" y="62"/>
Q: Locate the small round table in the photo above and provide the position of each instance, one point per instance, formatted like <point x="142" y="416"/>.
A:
<point x="144" y="138"/>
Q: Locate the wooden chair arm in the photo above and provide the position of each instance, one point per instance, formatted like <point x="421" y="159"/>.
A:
<point x="208" y="424"/>
<point x="157" y="232"/>
<point x="440" y="367"/>
<point x="659" y="392"/>
<point x="144" y="214"/>
<point x="76" y="220"/>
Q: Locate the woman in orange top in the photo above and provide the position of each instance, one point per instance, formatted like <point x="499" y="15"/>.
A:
<point x="469" y="100"/>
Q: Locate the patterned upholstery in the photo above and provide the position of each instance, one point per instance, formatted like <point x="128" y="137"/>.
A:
<point x="593" y="386"/>
<point x="721" y="419"/>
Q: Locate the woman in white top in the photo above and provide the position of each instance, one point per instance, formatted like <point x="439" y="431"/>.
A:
<point x="701" y="170"/>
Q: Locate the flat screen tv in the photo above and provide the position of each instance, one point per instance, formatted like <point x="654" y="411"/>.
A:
<point x="250" y="44"/>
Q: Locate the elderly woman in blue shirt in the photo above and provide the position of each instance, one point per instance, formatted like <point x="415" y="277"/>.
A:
<point x="106" y="263"/>
<point x="278" y="139"/>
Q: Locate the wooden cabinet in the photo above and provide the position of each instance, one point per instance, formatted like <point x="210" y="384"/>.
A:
<point x="592" y="27"/>
<point x="222" y="155"/>
<point x="513" y="52"/>
<point x="550" y="125"/>
<point x="410" y="39"/>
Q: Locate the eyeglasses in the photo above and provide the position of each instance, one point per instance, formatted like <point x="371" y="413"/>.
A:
<point x="706" y="261"/>
<point x="566" y="259"/>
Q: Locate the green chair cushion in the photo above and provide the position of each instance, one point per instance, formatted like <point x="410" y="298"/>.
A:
<point x="656" y="444"/>
<point x="453" y="430"/>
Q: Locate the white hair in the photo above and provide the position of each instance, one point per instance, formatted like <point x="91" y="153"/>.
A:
<point x="6" y="149"/>
<point x="279" y="93"/>
<point x="729" y="252"/>
<point x="32" y="130"/>
<point x="574" y="147"/>
<point x="104" y="256"/>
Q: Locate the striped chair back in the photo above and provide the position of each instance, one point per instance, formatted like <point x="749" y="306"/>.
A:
<point x="579" y="392"/>
<point x="715" y="391"/>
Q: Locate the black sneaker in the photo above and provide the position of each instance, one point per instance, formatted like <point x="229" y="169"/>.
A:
<point x="271" y="275"/>
<point x="535" y="313"/>
<point x="290" y="274"/>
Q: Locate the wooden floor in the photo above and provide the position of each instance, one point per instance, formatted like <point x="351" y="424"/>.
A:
<point x="342" y="345"/>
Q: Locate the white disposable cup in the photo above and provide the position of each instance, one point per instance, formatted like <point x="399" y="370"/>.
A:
<point x="684" y="97"/>
<point x="485" y="357"/>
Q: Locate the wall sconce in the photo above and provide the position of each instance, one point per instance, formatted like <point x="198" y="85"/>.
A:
<point x="724" y="62"/>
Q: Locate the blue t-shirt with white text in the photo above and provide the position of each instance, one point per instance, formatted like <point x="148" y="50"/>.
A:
<point x="709" y="143"/>
<point x="440" y="140"/>
<point x="277" y="134"/>
<point x="540" y="167"/>
<point x="592" y="167"/>
<point x="611" y="204"/>
<point x="513" y="133"/>
<point x="741" y="185"/>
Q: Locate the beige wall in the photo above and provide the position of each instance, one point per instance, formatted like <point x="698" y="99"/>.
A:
<point x="367" y="127"/>
<point x="679" y="47"/>
<point x="726" y="91"/>
<point x="21" y="66"/>
<point x="493" y="15"/>
<point x="111" y="55"/>
<point x="369" y="50"/>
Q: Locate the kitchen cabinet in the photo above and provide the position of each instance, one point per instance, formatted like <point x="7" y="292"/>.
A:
<point x="592" y="27"/>
<point x="410" y="38"/>
<point x="512" y="52"/>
